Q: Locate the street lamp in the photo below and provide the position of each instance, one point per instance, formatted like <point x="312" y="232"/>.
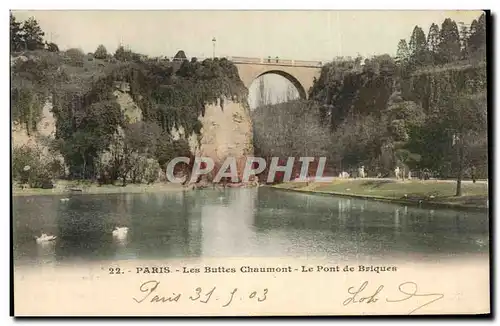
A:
<point x="213" y="41"/>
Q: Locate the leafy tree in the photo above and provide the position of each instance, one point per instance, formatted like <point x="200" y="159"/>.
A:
<point x="418" y="47"/>
<point x="33" y="35"/>
<point x="26" y="107"/>
<point x="51" y="47"/>
<point x="401" y="119"/>
<point x="403" y="53"/>
<point x="449" y="47"/>
<point x="464" y="41"/>
<point x="76" y="57"/>
<point x="289" y="129"/>
<point x="477" y="39"/>
<point x="16" y="35"/>
<point x="433" y="41"/>
<point x="101" y="52"/>
<point x="464" y="117"/>
<point x="433" y="38"/>
<point x="125" y="54"/>
<point x="122" y="54"/>
<point x="31" y="168"/>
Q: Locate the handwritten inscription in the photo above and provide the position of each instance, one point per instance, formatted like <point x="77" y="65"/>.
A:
<point x="150" y="293"/>
<point x="362" y="295"/>
<point x="365" y="293"/>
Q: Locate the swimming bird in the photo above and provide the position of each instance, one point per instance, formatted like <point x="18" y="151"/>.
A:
<point x="480" y="242"/>
<point x="120" y="232"/>
<point x="45" y="238"/>
<point x="64" y="199"/>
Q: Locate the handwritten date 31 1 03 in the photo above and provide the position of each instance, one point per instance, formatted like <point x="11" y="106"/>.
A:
<point x="406" y="291"/>
<point x="151" y="294"/>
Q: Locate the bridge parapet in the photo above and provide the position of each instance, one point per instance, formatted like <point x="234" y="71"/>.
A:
<point x="276" y="61"/>
<point x="268" y="61"/>
<point x="244" y="60"/>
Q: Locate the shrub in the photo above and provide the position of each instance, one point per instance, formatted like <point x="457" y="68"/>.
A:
<point x="28" y="167"/>
<point x="151" y="170"/>
<point x="52" y="47"/>
<point x="75" y="56"/>
<point x="101" y="52"/>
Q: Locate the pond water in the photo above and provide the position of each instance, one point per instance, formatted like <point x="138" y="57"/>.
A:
<point x="257" y="222"/>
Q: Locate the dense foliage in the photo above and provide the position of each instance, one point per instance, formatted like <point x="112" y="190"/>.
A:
<point x="425" y="109"/>
<point x="92" y="132"/>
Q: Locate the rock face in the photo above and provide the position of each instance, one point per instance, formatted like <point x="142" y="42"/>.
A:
<point x="46" y="127"/>
<point x="40" y="138"/>
<point x="226" y="132"/>
<point x="130" y="109"/>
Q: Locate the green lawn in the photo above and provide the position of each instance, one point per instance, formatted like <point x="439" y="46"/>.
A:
<point x="430" y="191"/>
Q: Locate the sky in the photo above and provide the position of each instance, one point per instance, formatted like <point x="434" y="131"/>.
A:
<point x="299" y="35"/>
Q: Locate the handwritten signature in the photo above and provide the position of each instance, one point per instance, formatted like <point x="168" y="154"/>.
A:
<point x="151" y="294"/>
<point x="408" y="289"/>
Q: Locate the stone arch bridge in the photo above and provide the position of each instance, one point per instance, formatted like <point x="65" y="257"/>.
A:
<point x="300" y="73"/>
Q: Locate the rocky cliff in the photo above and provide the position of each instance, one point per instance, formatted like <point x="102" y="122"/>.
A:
<point x="226" y="132"/>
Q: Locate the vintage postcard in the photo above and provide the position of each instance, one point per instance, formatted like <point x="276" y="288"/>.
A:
<point x="249" y="163"/>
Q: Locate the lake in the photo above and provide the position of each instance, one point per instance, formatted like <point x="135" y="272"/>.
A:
<point x="255" y="222"/>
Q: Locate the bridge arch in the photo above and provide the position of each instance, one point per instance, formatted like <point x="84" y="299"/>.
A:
<point x="300" y="73"/>
<point x="295" y="82"/>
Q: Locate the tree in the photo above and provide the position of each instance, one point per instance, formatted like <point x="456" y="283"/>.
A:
<point x="26" y="107"/>
<point x="433" y="41"/>
<point x="51" y="47"/>
<point x="264" y="97"/>
<point x="291" y="93"/>
<point x="464" y="118"/>
<point x="433" y="38"/>
<point x="418" y="47"/>
<point x="464" y="40"/>
<point x="33" y="35"/>
<point x="449" y="47"/>
<point x="403" y="53"/>
<point x="125" y="54"/>
<point x="16" y="37"/>
<point x="401" y="119"/>
<point x="101" y="52"/>
<point x="477" y="39"/>
<point x="76" y="56"/>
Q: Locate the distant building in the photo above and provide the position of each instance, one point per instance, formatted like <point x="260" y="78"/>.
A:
<point x="180" y="56"/>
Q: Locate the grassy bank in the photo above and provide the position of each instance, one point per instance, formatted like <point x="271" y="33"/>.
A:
<point x="64" y="187"/>
<point x="426" y="193"/>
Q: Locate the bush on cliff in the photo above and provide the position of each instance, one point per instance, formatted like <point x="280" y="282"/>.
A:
<point x="30" y="166"/>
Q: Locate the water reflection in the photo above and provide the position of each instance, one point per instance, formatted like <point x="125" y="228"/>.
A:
<point x="239" y="222"/>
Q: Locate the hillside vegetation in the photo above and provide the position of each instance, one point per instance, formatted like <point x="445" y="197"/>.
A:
<point x="424" y="110"/>
<point x="92" y="132"/>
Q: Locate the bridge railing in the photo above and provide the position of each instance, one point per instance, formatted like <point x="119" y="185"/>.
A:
<point x="266" y="61"/>
<point x="276" y="61"/>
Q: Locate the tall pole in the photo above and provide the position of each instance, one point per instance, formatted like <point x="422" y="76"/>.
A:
<point x="213" y="41"/>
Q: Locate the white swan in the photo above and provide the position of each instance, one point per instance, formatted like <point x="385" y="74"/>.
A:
<point x="480" y="242"/>
<point x="45" y="238"/>
<point x="120" y="232"/>
<point x="64" y="199"/>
